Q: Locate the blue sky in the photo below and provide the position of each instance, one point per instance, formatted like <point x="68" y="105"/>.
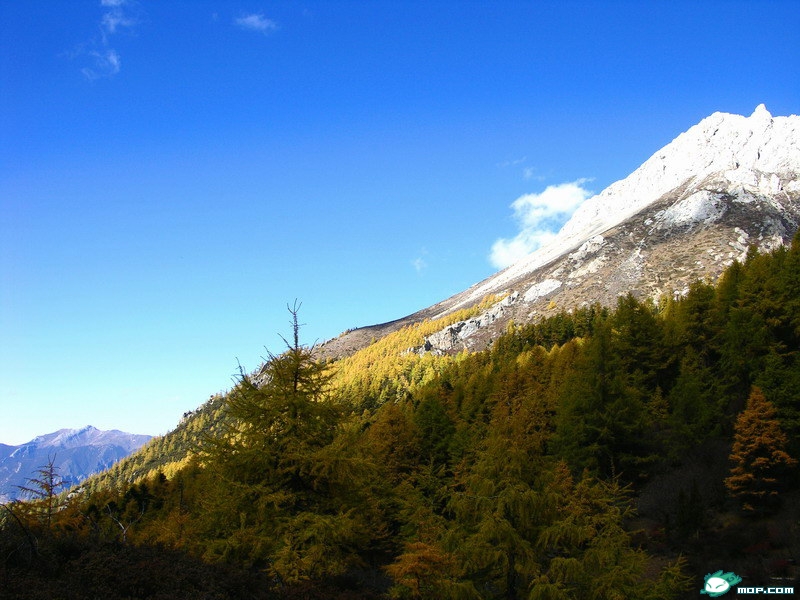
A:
<point x="173" y="173"/>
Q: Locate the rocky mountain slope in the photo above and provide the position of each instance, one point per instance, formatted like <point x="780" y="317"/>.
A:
<point x="77" y="453"/>
<point x="728" y="183"/>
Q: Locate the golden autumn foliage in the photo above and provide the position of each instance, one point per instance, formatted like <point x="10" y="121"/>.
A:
<point x="759" y="456"/>
<point x="507" y="474"/>
<point x="422" y="570"/>
<point x="385" y="369"/>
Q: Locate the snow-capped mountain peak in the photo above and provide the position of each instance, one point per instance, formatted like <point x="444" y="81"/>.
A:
<point x="690" y="210"/>
<point x="756" y="154"/>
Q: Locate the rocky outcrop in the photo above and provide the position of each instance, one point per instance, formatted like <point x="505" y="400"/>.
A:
<point x="455" y="337"/>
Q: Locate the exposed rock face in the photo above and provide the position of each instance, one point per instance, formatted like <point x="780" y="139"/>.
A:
<point x="77" y="453"/>
<point x="458" y="336"/>
<point x="687" y="213"/>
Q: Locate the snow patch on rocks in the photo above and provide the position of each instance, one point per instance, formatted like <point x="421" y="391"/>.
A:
<point x="589" y="247"/>
<point x="541" y="288"/>
<point x="593" y="266"/>
<point x="701" y="207"/>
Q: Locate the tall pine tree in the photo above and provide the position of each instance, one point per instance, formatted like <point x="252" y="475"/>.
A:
<point x="760" y="461"/>
<point x="284" y="477"/>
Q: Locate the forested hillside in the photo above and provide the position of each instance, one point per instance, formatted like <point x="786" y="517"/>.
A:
<point x="606" y="453"/>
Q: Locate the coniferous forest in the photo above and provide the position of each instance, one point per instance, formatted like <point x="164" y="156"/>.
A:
<point x="603" y="453"/>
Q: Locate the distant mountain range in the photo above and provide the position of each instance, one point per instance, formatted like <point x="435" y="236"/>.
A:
<point x="77" y="453"/>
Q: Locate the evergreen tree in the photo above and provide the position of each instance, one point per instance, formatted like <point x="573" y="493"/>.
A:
<point x="602" y="417"/>
<point x="283" y="486"/>
<point x="695" y="411"/>
<point x="584" y="548"/>
<point x="639" y="343"/>
<point x="499" y="511"/>
<point x="435" y="429"/>
<point x="44" y="490"/>
<point x="426" y="572"/>
<point x="760" y="461"/>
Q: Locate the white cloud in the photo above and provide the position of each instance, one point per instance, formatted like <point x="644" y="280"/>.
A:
<point x="117" y="15"/>
<point x="512" y="163"/>
<point x="256" y="22"/>
<point x="106" y="64"/>
<point x="530" y="173"/>
<point x="419" y="263"/>
<point x="540" y="216"/>
<point x="114" y="19"/>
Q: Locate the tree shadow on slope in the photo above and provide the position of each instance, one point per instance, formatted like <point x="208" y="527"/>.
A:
<point x="124" y="572"/>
